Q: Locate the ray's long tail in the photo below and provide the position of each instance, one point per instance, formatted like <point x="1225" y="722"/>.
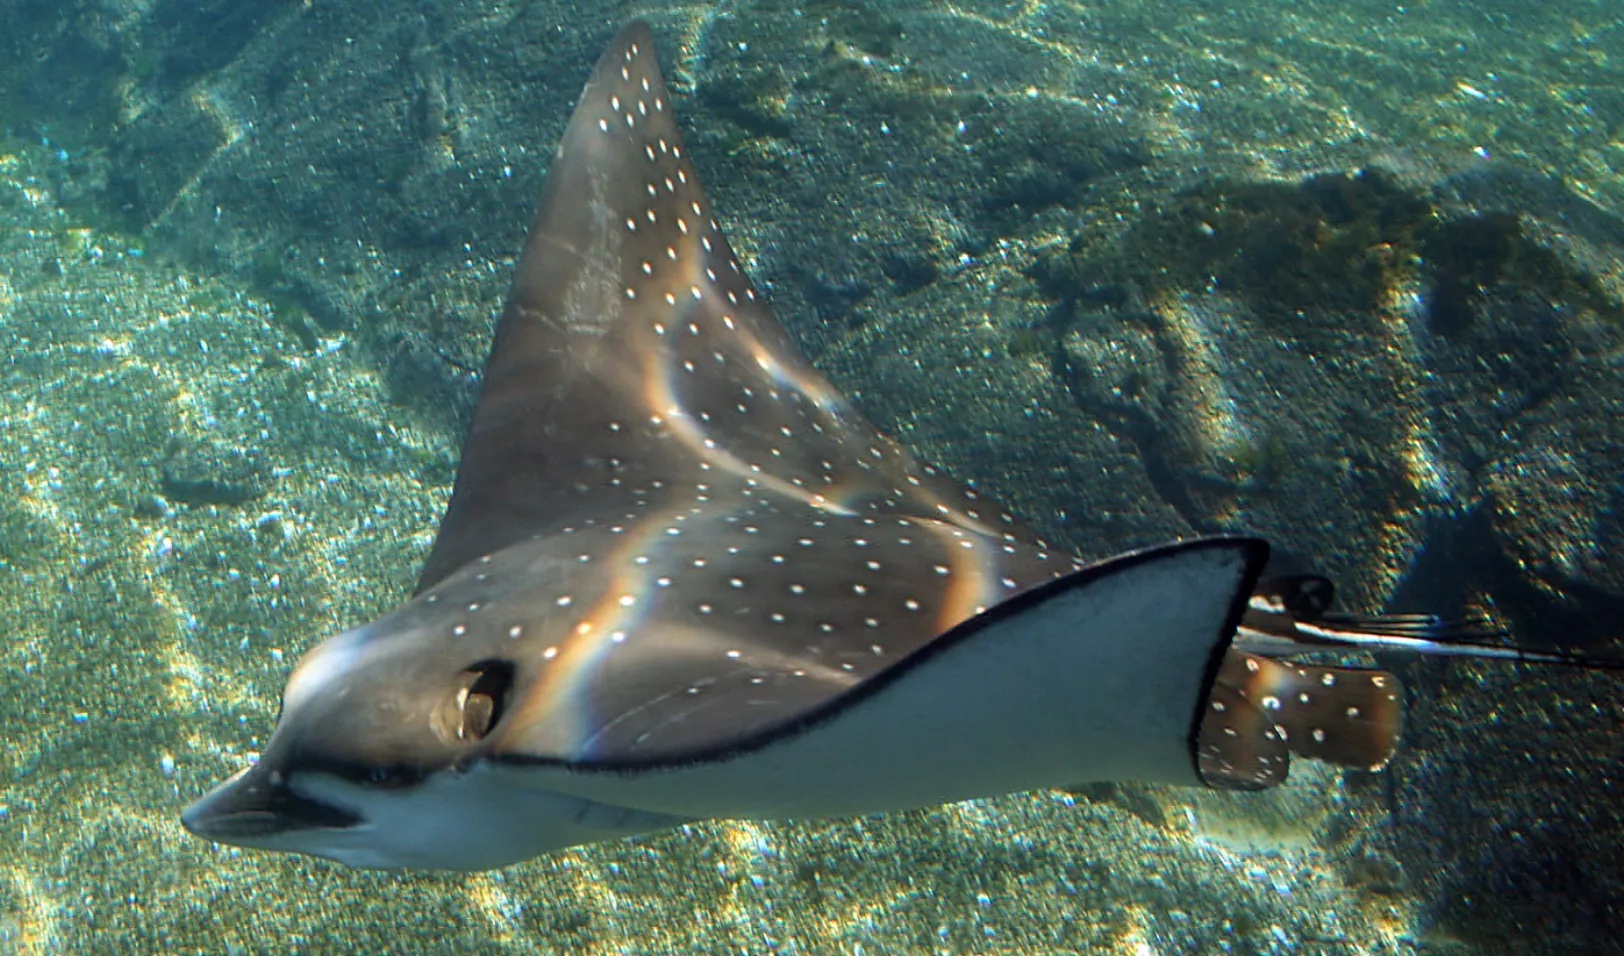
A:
<point x="1291" y="614"/>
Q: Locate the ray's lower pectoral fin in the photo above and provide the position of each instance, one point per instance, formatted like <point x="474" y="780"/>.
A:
<point x="1261" y="711"/>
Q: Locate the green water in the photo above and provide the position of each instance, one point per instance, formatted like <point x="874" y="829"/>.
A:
<point x="1114" y="262"/>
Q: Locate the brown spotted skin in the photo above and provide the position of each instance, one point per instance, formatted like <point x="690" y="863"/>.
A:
<point x="636" y="365"/>
<point x="719" y="523"/>
<point x="1263" y="710"/>
<point x="680" y="577"/>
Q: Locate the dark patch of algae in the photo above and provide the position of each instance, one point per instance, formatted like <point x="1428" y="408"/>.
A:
<point x="1332" y="242"/>
<point x="1326" y="264"/>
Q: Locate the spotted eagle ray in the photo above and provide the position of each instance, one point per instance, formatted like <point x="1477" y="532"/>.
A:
<point x="680" y="578"/>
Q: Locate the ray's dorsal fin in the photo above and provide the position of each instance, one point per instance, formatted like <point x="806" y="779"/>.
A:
<point x="634" y="357"/>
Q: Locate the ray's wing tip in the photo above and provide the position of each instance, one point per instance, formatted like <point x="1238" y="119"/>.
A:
<point x="1254" y="552"/>
<point x="632" y="53"/>
<point x="634" y="41"/>
<point x="1251" y="551"/>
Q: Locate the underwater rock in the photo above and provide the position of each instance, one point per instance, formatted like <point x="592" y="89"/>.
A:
<point x="1524" y="401"/>
<point x="1348" y="340"/>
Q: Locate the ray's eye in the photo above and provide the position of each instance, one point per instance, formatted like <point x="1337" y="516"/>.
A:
<point x="476" y="703"/>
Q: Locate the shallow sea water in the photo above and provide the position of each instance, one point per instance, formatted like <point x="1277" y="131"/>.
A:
<point x="250" y="254"/>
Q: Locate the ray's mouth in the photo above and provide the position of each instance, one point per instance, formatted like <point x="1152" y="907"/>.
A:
<point x="255" y="805"/>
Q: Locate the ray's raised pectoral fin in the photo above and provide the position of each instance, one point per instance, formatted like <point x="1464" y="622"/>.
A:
<point x="635" y="357"/>
<point x="1263" y="710"/>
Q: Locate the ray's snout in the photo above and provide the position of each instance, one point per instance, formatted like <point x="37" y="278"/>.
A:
<point x="257" y="804"/>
